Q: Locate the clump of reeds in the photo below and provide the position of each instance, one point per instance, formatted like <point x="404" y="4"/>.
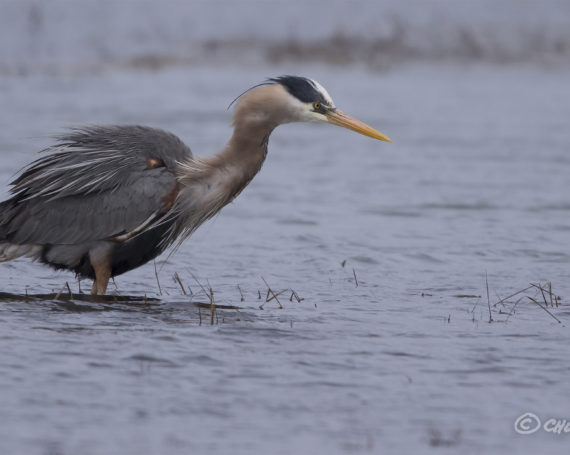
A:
<point x="270" y="295"/>
<point x="539" y="294"/>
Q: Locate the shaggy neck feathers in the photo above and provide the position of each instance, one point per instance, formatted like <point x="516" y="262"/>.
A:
<point x="208" y="184"/>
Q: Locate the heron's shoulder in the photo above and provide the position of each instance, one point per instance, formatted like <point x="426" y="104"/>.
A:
<point x="126" y="139"/>
<point x="101" y="158"/>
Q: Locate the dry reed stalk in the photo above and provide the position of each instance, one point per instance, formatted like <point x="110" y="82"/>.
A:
<point x="177" y="278"/>
<point x="58" y="295"/>
<point x="513" y="308"/>
<point x="69" y="289"/>
<point x="294" y="294"/>
<point x="545" y="309"/>
<point x="274" y="296"/>
<point x="199" y="284"/>
<point x="157" y="280"/>
<point x="550" y="293"/>
<point x="269" y="290"/>
<point x="212" y="307"/>
<point x="488" y="299"/>
<point x="512" y="295"/>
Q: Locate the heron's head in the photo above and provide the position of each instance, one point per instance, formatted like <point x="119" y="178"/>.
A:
<point x="299" y="99"/>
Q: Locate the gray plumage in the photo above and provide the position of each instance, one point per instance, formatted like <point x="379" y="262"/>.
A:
<point x="107" y="199"/>
<point x="95" y="184"/>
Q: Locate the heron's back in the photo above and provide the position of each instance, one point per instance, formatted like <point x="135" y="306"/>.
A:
<point x="110" y="184"/>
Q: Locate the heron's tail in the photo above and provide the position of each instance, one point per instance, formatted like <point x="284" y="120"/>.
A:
<point x="9" y="251"/>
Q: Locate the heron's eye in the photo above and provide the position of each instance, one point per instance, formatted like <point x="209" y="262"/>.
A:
<point x="316" y="106"/>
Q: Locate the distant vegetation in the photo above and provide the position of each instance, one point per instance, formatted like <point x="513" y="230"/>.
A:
<point x="39" y="45"/>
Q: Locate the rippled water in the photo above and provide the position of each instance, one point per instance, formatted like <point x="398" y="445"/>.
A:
<point x="392" y="352"/>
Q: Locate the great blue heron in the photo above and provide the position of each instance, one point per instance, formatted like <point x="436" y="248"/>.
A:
<point x="108" y="199"/>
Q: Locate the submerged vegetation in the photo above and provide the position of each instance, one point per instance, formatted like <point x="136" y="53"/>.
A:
<point x="503" y="308"/>
<point x="499" y="309"/>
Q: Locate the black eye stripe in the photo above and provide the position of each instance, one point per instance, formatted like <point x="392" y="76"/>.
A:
<point x="301" y="88"/>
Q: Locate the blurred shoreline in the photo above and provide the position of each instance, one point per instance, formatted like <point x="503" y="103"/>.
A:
<point x="83" y="37"/>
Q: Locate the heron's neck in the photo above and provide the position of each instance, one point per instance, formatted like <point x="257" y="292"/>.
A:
<point x="244" y="154"/>
<point x="210" y="183"/>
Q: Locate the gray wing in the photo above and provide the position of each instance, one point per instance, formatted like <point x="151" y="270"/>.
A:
<point x="98" y="183"/>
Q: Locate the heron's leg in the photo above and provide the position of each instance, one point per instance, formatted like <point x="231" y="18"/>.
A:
<point x="101" y="281"/>
<point x="100" y="258"/>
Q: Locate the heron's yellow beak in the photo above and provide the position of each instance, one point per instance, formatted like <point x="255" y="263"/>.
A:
<point x="339" y="118"/>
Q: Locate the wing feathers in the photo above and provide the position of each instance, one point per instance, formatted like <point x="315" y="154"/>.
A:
<point x="95" y="184"/>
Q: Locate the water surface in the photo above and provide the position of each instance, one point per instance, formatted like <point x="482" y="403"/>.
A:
<point x="392" y="352"/>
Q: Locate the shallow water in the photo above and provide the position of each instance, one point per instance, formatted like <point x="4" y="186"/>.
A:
<point x="383" y="354"/>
